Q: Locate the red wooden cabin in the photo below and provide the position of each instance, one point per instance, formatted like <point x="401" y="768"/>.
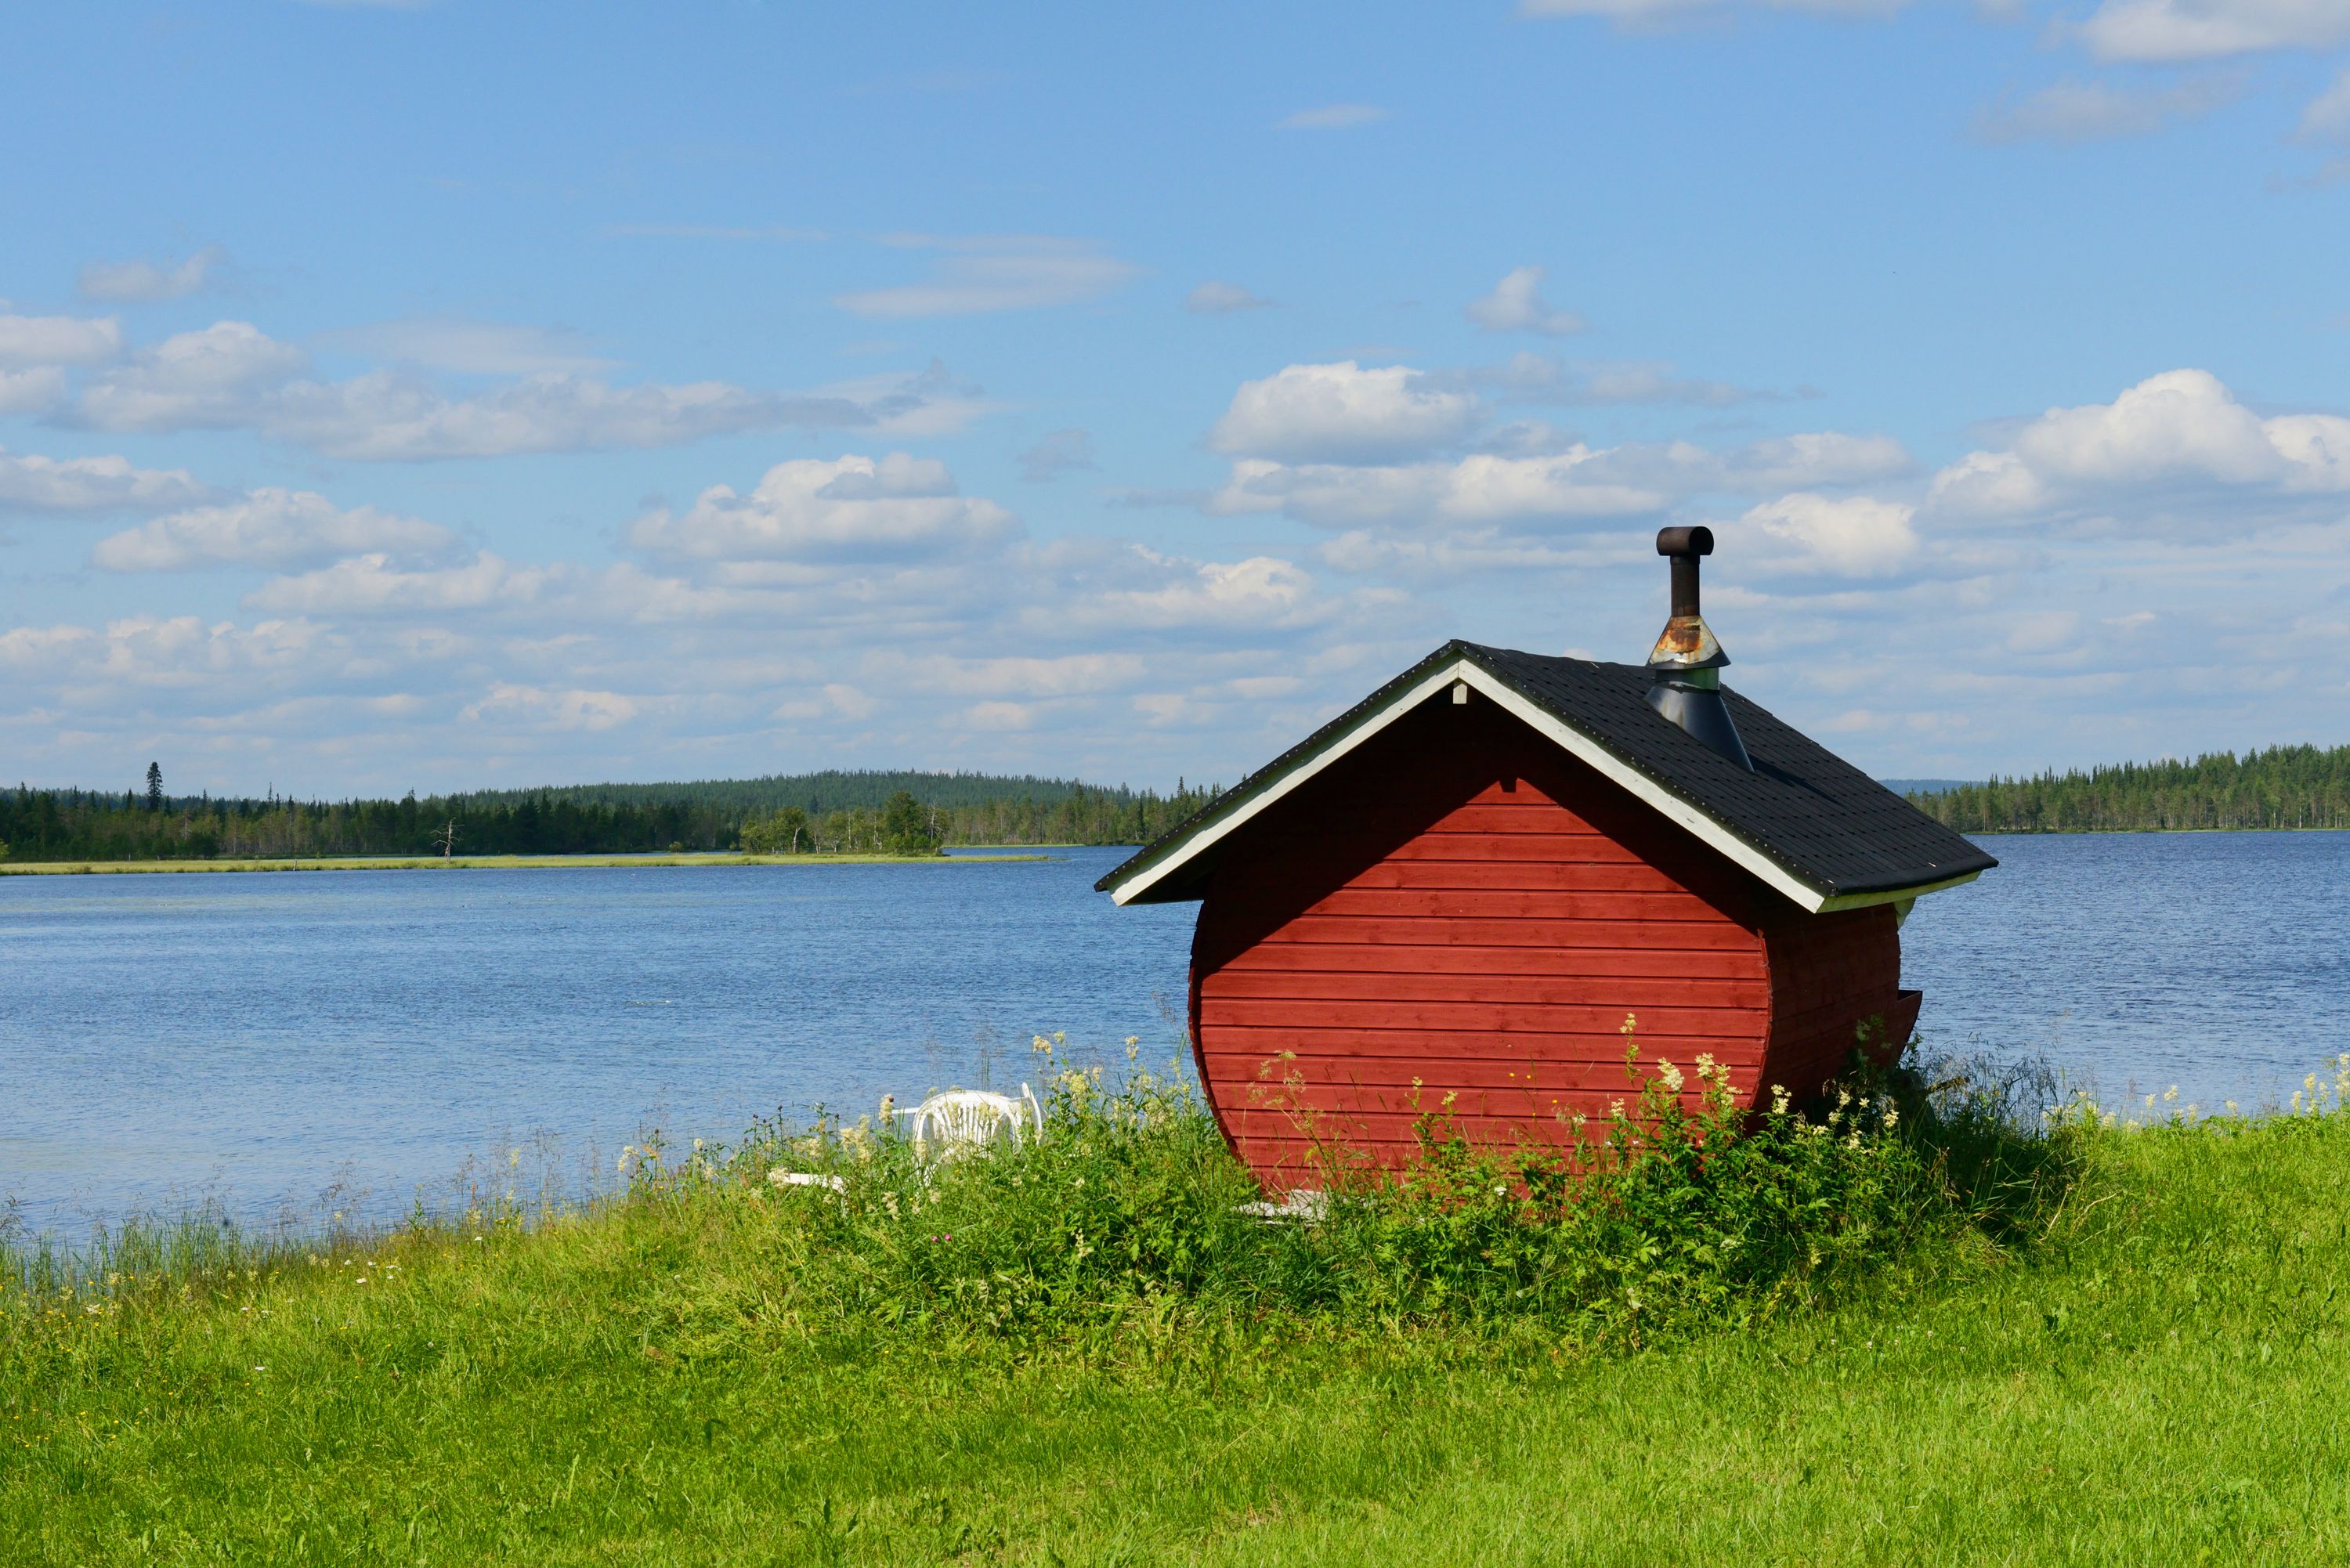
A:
<point x="1464" y="885"/>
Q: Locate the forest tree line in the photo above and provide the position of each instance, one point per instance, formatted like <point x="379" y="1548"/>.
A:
<point x="833" y="814"/>
<point x="2282" y="787"/>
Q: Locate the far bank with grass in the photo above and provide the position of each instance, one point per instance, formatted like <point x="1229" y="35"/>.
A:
<point x="493" y="863"/>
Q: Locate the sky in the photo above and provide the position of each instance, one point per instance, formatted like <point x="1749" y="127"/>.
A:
<point x="451" y="395"/>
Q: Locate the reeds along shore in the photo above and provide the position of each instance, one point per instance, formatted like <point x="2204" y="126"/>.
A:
<point x="1948" y="1324"/>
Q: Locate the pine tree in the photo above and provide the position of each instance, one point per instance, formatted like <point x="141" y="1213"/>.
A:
<point x="154" y="786"/>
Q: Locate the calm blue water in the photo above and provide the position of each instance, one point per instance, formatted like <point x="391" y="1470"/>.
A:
<point x="294" y="1046"/>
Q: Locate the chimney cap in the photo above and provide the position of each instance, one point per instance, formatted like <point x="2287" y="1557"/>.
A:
<point x="1694" y="541"/>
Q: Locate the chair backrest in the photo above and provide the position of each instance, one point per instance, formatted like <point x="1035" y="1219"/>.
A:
<point x="960" y="1120"/>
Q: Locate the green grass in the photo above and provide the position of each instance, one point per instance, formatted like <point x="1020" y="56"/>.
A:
<point x="2147" y="1367"/>
<point x="486" y="862"/>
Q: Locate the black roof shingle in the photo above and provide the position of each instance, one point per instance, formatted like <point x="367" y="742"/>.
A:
<point x="1809" y="811"/>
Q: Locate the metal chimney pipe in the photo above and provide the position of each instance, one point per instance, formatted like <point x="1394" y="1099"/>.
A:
<point x="1686" y="660"/>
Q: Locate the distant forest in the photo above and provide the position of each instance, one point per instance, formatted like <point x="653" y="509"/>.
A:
<point x="825" y="812"/>
<point x="2282" y="787"/>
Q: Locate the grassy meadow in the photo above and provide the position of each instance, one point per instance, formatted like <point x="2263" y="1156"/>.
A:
<point x="1917" y="1334"/>
<point x="487" y="863"/>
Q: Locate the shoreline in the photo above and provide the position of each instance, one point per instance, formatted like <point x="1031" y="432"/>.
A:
<point x="484" y="863"/>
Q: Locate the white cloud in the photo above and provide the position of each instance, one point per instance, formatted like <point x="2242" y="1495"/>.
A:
<point x="1856" y="536"/>
<point x="2175" y="30"/>
<point x="279" y="529"/>
<point x="133" y="281"/>
<point x="2178" y="432"/>
<point x="852" y="509"/>
<point x="44" y="341"/>
<point x="232" y="376"/>
<point x="1341" y="412"/>
<point x="991" y="273"/>
<point x="35" y="484"/>
<point x="1332" y="116"/>
<point x="207" y="380"/>
<point x="537" y="708"/>
<point x="31" y="392"/>
<point x="1516" y="304"/>
<point x="374" y="584"/>
<point x="1215" y="298"/>
<point x="2073" y="110"/>
<point x="1481" y="489"/>
<point x="472" y="347"/>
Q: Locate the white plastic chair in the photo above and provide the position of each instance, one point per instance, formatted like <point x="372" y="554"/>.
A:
<point x="960" y="1120"/>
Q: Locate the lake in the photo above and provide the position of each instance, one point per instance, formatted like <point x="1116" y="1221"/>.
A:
<point x="295" y="1045"/>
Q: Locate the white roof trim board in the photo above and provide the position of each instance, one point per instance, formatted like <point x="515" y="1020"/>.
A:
<point x="1567" y="738"/>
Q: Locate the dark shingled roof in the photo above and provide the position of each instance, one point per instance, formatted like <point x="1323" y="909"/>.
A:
<point x="1815" y="816"/>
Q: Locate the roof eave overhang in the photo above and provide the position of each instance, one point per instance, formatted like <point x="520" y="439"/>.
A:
<point x="1137" y="884"/>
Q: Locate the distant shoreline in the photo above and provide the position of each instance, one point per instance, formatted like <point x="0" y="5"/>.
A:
<point x="488" y="863"/>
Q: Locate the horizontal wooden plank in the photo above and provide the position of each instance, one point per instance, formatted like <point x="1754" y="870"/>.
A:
<point x="1522" y="875"/>
<point x="1342" y="958"/>
<point x="1559" y="848"/>
<point x="1583" y="1017"/>
<point x="1363" y="1128"/>
<point x="1471" y="1103"/>
<point x="1514" y="904"/>
<point x="1260" y="1043"/>
<point x="1676" y="936"/>
<point x="1619" y="992"/>
<point x="1250" y="1078"/>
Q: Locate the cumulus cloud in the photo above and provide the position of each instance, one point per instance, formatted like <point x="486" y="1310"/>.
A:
<point x="1332" y="116"/>
<point x="851" y="509"/>
<point x="2178" y="432"/>
<point x="48" y="341"/>
<point x="1483" y="488"/>
<point x="376" y="584"/>
<point x="278" y="529"/>
<point x="1852" y="537"/>
<point x="982" y="274"/>
<point x="31" y="392"/>
<point x="2177" y="30"/>
<point x="1341" y="412"/>
<point x="1215" y="298"/>
<point x="32" y="482"/>
<point x="1516" y="304"/>
<point x="137" y="281"/>
<point x="206" y="379"/>
<point x="2073" y="110"/>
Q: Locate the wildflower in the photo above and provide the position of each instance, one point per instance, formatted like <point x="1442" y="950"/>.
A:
<point x="888" y="1108"/>
<point x="1892" y="1117"/>
<point x="1670" y="1075"/>
<point x="1779" y="1099"/>
<point x="2231" y="1107"/>
<point x="2170" y="1094"/>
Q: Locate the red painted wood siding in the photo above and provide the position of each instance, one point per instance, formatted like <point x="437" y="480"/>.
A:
<point x="1458" y="908"/>
<point x="1830" y="974"/>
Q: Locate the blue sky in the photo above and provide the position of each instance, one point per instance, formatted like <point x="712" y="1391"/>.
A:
<point x="455" y="394"/>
